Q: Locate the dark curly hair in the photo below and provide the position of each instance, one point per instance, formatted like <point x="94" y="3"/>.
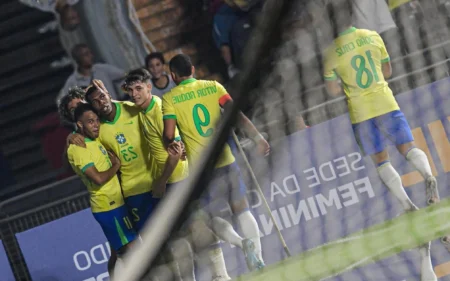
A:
<point x="64" y="114"/>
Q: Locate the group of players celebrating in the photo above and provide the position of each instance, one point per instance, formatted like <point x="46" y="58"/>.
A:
<point x="152" y="143"/>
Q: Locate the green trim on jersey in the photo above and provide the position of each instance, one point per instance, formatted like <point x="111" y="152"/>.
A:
<point x="123" y="237"/>
<point x="151" y="105"/>
<point x="118" y="112"/>
<point x="88" y="140"/>
<point x="177" y="138"/>
<point x="388" y="59"/>
<point x="171" y="116"/>
<point x="87" y="166"/>
<point x="187" y="81"/>
<point x="347" y="31"/>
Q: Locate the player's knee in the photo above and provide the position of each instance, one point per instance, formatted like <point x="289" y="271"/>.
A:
<point x="239" y="206"/>
<point x="380" y="157"/>
<point x="181" y="248"/>
<point x="201" y="234"/>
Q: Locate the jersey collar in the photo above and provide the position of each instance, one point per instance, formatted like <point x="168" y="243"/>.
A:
<point x="88" y="140"/>
<point x="151" y="105"/>
<point x="118" y="111"/>
<point x="347" y="31"/>
<point x="187" y="81"/>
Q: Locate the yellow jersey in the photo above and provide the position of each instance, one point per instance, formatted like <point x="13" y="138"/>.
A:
<point x="123" y="136"/>
<point x="356" y="56"/>
<point x="152" y="124"/>
<point x="104" y="197"/>
<point x="195" y="104"/>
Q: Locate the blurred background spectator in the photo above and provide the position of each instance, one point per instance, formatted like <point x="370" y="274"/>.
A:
<point x="87" y="71"/>
<point x="161" y="81"/>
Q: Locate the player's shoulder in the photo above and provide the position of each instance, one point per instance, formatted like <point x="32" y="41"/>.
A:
<point x="367" y="32"/>
<point x="129" y="108"/>
<point x="76" y="150"/>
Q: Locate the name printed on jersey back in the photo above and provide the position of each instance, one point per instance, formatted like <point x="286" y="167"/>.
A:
<point x="211" y="89"/>
<point x="359" y="42"/>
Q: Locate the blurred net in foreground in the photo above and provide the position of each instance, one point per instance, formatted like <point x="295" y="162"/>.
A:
<point x="338" y="219"/>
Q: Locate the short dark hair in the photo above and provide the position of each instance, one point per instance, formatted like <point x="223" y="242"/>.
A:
<point x="81" y="109"/>
<point x="181" y="65"/>
<point x="63" y="12"/>
<point x="136" y="75"/>
<point x="75" y="53"/>
<point x="340" y="14"/>
<point x="64" y="114"/>
<point x="155" y="55"/>
<point x="89" y="91"/>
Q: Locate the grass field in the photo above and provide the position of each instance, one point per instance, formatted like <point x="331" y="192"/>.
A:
<point x="369" y="245"/>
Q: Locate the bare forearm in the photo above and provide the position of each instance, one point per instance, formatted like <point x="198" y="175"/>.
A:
<point x="247" y="126"/>
<point x="100" y="178"/>
<point x="169" y="167"/>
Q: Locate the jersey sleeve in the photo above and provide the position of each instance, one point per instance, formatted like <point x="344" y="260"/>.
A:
<point x="329" y="65"/>
<point x="80" y="158"/>
<point x="224" y="97"/>
<point x="167" y="107"/>
<point x="380" y="43"/>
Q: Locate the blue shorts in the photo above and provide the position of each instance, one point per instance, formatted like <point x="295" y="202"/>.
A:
<point x="140" y="207"/>
<point x="117" y="226"/>
<point x="227" y="185"/>
<point x="375" y="134"/>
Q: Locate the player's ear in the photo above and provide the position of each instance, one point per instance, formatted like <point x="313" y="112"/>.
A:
<point x="80" y="125"/>
<point x="174" y="76"/>
<point x="192" y="70"/>
<point x="149" y="86"/>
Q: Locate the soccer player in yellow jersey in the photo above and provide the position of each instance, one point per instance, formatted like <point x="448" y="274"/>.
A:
<point x="138" y="86"/>
<point x="359" y="58"/>
<point x="97" y="168"/>
<point x="195" y="107"/>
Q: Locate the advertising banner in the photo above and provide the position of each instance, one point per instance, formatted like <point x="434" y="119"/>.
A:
<point x="5" y="268"/>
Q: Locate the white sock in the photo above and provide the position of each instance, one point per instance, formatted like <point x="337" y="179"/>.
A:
<point x="217" y="261"/>
<point x="419" y="160"/>
<point x="183" y="259"/>
<point x="427" y="272"/>
<point x="392" y="180"/>
<point x="224" y="230"/>
<point x="250" y="229"/>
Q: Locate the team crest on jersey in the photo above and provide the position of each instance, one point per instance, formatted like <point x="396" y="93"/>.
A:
<point x="102" y="149"/>
<point x="120" y="137"/>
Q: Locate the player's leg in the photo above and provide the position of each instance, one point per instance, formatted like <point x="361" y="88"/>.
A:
<point x="247" y="222"/>
<point x="206" y="244"/>
<point x="372" y="142"/>
<point x="140" y="207"/>
<point x="118" y="229"/>
<point x="399" y="131"/>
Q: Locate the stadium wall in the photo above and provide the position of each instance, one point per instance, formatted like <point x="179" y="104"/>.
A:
<point x="321" y="189"/>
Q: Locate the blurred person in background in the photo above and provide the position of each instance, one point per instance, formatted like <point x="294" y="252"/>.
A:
<point x="161" y="81"/>
<point x="87" y="71"/>
<point x="67" y="22"/>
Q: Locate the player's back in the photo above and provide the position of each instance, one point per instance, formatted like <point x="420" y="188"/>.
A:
<point x="195" y="104"/>
<point x="107" y="196"/>
<point x="356" y="57"/>
<point x="124" y="137"/>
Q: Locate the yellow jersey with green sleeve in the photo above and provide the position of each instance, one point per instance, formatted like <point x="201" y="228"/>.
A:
<point x="123" y="136"/>
<point x="196" y="105"/>
<point x="104" y="197"/>
<point x="151" y="120"/>
<point x="356" y="57"/>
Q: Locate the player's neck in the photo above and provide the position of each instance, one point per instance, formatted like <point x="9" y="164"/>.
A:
<point x="344" y="29"/>
<point x="184" y="78"/>
<point x="146" y="104"/>
<point x="110" y="117"/>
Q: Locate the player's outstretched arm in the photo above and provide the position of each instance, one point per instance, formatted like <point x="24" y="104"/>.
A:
<point x="169" y="131"/>
<point x="263" y="146"/>
<point x="100" y="178"/>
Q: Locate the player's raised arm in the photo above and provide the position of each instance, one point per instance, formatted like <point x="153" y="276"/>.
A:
<point x="226" y="102"/>
<point x="170" y="121"/>
<point x="100" y="178"/>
